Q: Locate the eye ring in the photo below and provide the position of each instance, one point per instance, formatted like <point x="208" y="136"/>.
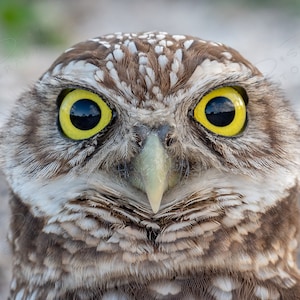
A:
<point x="222" y="111"/>
<point x="83" y="114"/>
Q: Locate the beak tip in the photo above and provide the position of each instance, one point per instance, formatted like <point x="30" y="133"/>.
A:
<point x="155" y="209"/>
<point x="155" y="201"/>
<point x="154" y="196"/>
<point x="152" y="166"/>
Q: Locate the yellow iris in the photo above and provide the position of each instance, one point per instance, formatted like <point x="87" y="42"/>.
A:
<point x="222" y="111"/>
<point x="83" y="114"/>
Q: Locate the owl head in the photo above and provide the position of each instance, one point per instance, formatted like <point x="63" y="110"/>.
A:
<point x="150" y="117"/>
<point x="152" y="154"/>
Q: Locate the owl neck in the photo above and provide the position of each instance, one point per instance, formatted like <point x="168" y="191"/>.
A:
<point x="70" y="251"/>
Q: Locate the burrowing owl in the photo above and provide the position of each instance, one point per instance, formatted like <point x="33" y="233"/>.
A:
<point x="153" y="166"/>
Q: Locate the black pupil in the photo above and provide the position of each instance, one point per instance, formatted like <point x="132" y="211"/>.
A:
<point x="220" y="111"/>
<point x="85" y="114"/>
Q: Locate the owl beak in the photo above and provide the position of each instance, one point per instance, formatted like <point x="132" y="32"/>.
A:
<point x="152" y="171"/>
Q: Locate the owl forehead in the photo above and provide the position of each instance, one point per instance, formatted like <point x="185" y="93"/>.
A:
<point x="143" y="68"/>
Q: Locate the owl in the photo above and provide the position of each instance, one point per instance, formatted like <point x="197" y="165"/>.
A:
<point x="153" y="166"/>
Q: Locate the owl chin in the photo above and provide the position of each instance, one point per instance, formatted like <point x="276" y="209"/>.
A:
<point x="153" y="166"/>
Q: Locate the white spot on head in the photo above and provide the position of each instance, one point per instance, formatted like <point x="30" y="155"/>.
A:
<point x="173" y="79"/>
<point x="227" y="54"/>
<point x="142" y="69"/>
<point x="216" y="44"/>
<point x="148" y="82"/>
<point x="109" y="36"/>
<point x="178" y="55"/>
<point x="187" y="44"/>
<point x="105" y="44"/>
<point x="178" y="37"/>
<point x="119" y="35"/>
<point x="109" y="57"/>
<point x="113" y="72"/>
<point x="150" y="72"/>
<point x="152" y="41"/>
<point x="158" y="49"/>
<point x="99" y="75"/>
<point x="132" y="47"/>
<point x="175" y="66"/>
<point x="212" y="67"/>
<point x="162" y="61"/>
<point x="143" y="60"/>
<point x="109" y="65"/>
<point x="118" y="54"/>
<point x="68" y="50"/>
<point x="160" y="36"/>
<point x="149" y="76"/>
<point x="96" y="40"/>
<point x="143" y="36"/>
<point x="162" y="33"/>
<point x="126" y="42"/>
<point x="165" y="43"/>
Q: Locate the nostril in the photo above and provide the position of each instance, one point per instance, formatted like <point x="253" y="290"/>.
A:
<point x="164" y="132"/>
<point x="123" y="170"/>
<point x="170" y="140"/>
<point x="139" y="141"/>
<point x="166" y="135"/>
<point x="140" y="134"/>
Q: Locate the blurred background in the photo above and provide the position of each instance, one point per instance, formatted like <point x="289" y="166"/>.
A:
<point x="34" y="33"/>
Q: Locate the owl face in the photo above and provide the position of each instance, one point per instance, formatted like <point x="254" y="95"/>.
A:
<point x="143" y="115"/>
<point x="145" y="145"/>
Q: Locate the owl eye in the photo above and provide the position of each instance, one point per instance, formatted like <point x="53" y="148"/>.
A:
<point x="222" y="111"/>
<point x="83" y="114"/>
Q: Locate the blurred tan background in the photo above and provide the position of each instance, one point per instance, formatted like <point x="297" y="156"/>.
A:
<point x="34" y="33"/>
